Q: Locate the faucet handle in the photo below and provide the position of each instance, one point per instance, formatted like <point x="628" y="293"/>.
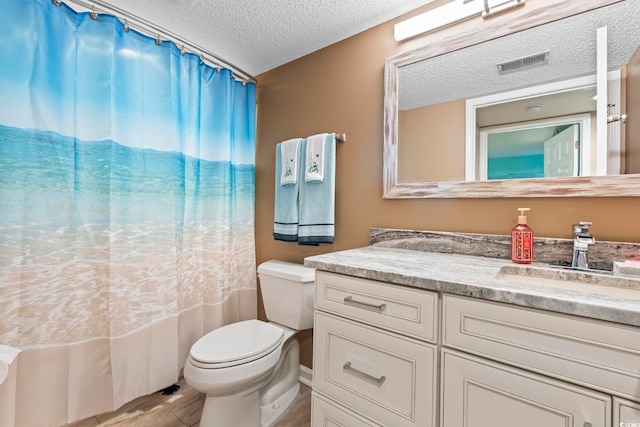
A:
<point x="581" y="227"/>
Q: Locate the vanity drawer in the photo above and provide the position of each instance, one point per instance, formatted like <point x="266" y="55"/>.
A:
<point x="600" y="355"/>
<point x="326" y="413"/>
<point x="391" y="379"/>
<point x="396" y="308"/>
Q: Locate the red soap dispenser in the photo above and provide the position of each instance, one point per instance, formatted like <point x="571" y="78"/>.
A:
<point x="522" y="240"/>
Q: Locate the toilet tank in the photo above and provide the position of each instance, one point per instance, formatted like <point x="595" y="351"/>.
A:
<point x="287" y="293"/>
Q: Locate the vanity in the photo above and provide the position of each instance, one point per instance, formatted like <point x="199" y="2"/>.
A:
<point x="405" y="335"/>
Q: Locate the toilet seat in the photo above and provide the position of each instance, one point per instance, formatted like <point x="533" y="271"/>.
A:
<point x="236" y="344"/>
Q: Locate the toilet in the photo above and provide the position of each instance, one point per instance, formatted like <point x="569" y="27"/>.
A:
<point x="250" y="370"/>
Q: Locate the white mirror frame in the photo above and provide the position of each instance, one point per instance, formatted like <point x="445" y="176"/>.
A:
<point x="589" y="186"/>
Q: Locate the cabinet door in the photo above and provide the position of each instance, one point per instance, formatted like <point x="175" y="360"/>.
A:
<point x="626" y="413"/>
<point x="480" y="393"/>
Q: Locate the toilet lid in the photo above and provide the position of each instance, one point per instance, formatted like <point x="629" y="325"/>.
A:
<point x="237" y="343"/>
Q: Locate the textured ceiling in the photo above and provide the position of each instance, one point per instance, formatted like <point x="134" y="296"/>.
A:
<point x="571" y="42"/>
<point x="257" y="36"/>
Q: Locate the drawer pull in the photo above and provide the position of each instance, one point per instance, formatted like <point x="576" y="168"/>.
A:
<point x="353" y="371"/>
<point x="350" y="301"/>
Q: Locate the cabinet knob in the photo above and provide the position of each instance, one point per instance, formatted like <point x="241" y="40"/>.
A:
<point x="373" y="307"/>
<point x="370" y="378"/>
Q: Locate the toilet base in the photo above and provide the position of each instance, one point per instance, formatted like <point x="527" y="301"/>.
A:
<point x="234" y="410"/>
<point x="269" y="414"/>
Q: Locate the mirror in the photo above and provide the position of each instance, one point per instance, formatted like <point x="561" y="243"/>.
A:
<point x="452" y="119"/>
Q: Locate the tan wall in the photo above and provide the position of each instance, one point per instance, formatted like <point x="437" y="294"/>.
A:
<point x="419" y="159"/>
<point x="340" y="89"/>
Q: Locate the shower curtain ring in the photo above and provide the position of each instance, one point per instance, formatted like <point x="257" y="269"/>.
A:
<point x="56" y="2"/>
<point x="158" y="41"/>
<point x="126" y="27"/>
<point x="93" y="15"/>
<point x="182" y="50"/>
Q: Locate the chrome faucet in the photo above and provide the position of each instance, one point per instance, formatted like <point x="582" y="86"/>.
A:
<point x="581" y="241"/>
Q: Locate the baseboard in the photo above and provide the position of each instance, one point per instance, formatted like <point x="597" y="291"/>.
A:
<point x="306" y="376"/>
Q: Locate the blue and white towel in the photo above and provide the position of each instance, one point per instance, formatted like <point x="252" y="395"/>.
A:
<point x="285" y="222"/>
<point x="314" y="158"/>
<point x="290" y="158"/>
<point x="317" y="199"/>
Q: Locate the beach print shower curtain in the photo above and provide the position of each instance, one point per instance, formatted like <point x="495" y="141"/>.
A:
<point x="126" y="209"/>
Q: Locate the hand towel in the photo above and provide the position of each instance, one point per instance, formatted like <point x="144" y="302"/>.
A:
<point x="314" y="158"/>
<point x="317" y="200"/>
<point x="285" y="218"/>
<point x="290" y="159"/>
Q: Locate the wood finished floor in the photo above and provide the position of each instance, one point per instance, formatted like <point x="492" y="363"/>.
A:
<point x="183" y="409"/>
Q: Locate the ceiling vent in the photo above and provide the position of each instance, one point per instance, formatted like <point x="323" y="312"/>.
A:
<point x="524" y="63"/>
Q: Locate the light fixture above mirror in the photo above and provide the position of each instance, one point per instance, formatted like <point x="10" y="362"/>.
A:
<point x="451" y="13"/>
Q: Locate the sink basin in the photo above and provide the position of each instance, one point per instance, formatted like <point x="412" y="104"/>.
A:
<point x="584" y="281"/>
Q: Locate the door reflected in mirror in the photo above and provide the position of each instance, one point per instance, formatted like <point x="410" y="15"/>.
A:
<point x="533" y="152"/>
<point x="529" y="137"/>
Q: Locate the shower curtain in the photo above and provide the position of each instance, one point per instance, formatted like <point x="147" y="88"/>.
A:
<point x="126" y="209"/>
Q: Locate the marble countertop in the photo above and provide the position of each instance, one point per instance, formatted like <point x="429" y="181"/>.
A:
<point x="474" y="276"/>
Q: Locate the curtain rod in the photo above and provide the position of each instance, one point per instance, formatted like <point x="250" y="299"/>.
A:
<point x="155" y="31"/>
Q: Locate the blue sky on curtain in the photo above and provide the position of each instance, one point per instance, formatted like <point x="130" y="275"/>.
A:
<point x="126" y="195"/>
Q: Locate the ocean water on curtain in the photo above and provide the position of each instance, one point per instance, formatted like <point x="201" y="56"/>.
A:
<point x="89" y="227"/>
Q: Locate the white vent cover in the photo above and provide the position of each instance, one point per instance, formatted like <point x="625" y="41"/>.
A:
<point x="523" y="63"/>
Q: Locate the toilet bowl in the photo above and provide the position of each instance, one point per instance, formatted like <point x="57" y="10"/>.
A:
<point x="250" y="370"/>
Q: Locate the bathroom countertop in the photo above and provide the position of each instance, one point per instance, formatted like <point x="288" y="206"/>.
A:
<point x="473" y="276"/>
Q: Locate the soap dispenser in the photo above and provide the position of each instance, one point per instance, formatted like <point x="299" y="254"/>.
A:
<point x="522" y="240"/>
